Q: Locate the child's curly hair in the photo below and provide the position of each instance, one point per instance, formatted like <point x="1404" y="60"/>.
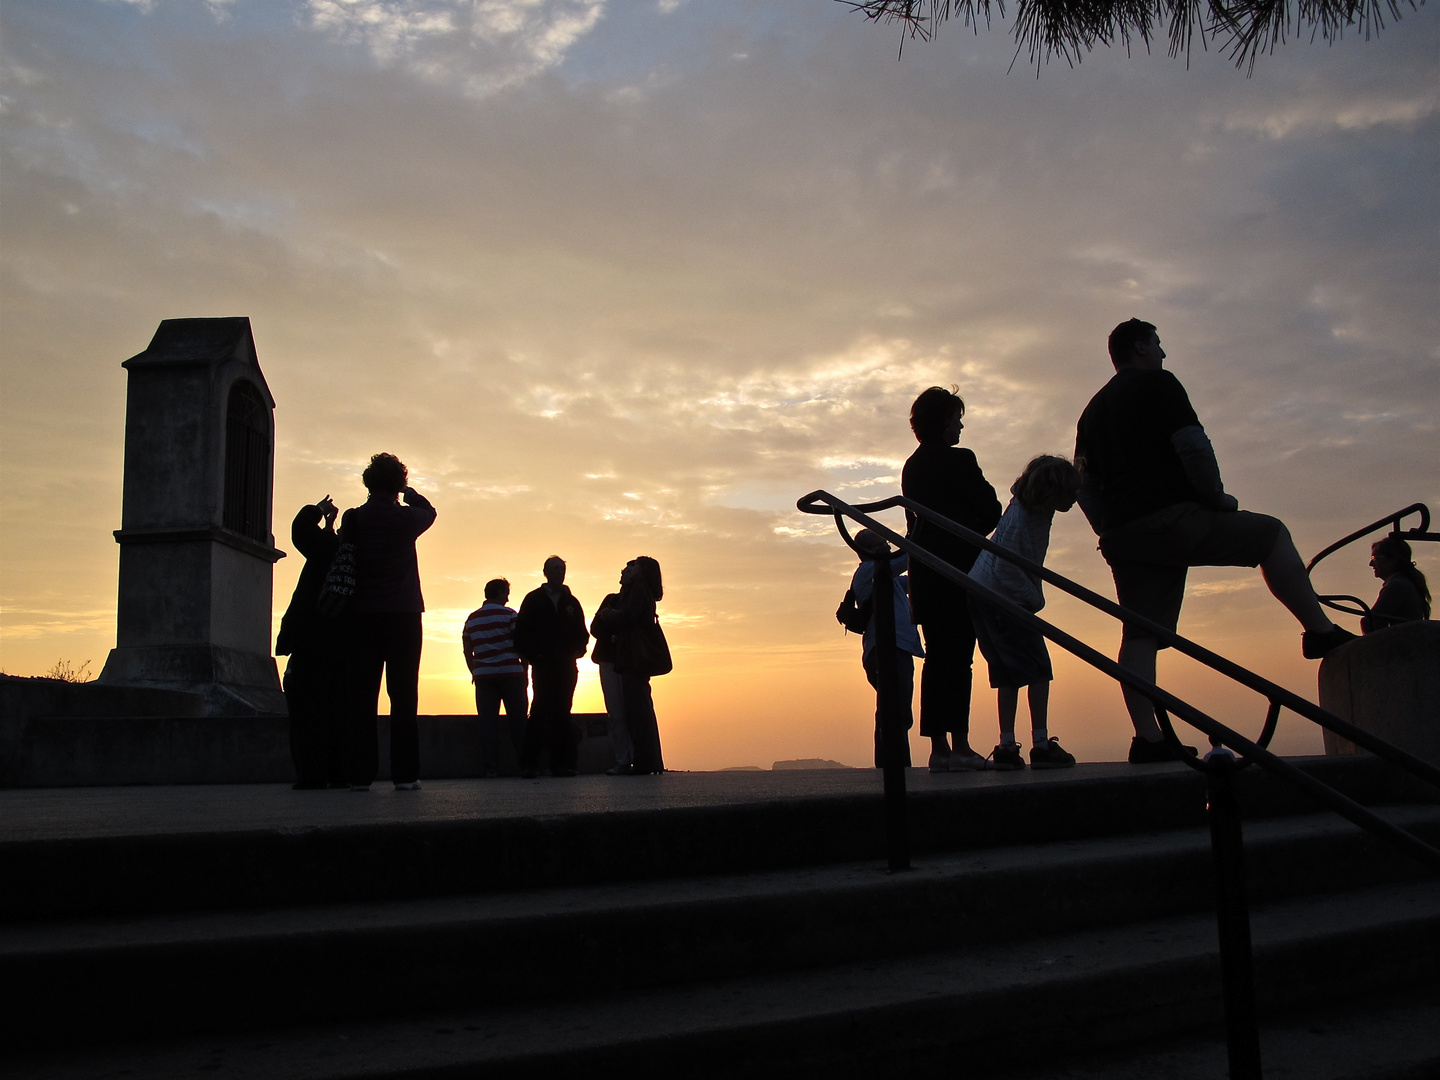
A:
<point x="1046" y="479"/>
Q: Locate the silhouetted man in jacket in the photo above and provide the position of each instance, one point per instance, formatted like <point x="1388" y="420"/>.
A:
<point x="550" y="635"/>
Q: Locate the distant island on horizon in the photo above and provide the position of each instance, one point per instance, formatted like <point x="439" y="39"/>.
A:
<point x="794" y="763"/>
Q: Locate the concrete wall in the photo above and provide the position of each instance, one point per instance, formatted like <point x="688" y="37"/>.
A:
<point x="1388" y="684"/>
<point x="47" y="741"/>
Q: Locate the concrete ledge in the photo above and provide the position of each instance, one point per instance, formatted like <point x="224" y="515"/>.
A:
<point x="1387" y="683"/>
<point x="67" y="750"/>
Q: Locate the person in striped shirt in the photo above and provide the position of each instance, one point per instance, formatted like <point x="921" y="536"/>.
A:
<point x="497" y="671"/>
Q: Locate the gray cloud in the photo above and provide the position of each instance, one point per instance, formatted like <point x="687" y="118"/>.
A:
<point x="641" y="274"/>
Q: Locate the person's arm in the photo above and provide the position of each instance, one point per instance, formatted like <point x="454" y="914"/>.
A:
<point x="1197" y="457"/>
<point x="305" y="530"/>
<point x="581" y="639"/>
<point x="603" y="624"/>
<point x="424" y="512"/>
<point x="524" y="620"/>
<point x="1090" y="502"/>
<point x="862" y="583"/>
<point x="465" y="645"/>
<point x="1091" y="496"/>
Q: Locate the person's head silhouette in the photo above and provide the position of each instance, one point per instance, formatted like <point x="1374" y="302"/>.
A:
<point x="1136" y="344"/>
<point x="936" y="416"/>
<point x="385" y="475"/>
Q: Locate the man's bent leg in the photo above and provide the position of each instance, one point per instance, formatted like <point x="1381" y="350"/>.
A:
<point x="1285" y="575"/>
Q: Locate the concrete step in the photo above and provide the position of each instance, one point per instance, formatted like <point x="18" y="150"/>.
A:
<point x="253" y="967"/>
<point x="204" y="851"/>
<point x="987" y="1007"/>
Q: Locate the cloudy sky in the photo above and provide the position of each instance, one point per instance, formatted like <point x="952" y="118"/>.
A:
<point x="630" y="277"/>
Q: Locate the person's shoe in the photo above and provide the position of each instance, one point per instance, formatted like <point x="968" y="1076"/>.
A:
<point x="413" y="785"/>
<point x="937" y="763"/>
<point x="492" y="774"/>
<point x="307" y="787"/>
<point x="1048" y="755"/>
<point x="1145" y="752"/>
<point x="1316" y="646"/>
<point x="621" y="770"/>
<point x="967" y="761"/>
<point x="359" y="787"/>
<point x="1006" y="758"/>
<point x="563" y="772"/>
<point x="527" y="774"/>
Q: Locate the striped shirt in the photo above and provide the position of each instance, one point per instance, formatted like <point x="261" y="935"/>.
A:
<point x="489" y="642"/>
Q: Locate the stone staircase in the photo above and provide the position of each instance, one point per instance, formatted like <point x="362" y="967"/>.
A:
<point x="1052" y="922"/>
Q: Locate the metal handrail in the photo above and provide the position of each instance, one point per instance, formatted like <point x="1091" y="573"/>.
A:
<point x="1219" y="765"/>
<point x="822" y="502"/>
<point x="1420" y="532"/>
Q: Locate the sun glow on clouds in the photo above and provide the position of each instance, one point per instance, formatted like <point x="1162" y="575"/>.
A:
<point x="483" y="46"/>
<point x="609" y="291"/>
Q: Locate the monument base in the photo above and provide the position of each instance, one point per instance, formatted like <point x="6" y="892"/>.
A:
<point x="230" y="682"/>
<point x="1388" y="684"/>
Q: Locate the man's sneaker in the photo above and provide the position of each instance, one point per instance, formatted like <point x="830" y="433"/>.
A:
<point x="1145" y="752"/>
<point x="1007" y="758"/>
<point x="1316" y="646"/>
<point x="413" y="785"/>
<point x="1048" y="755"/>
<point x="937" y="763"/>
<point x="967" y="761"/>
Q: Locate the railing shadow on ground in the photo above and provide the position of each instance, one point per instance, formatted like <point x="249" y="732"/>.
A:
<point x="1230" y="751"/>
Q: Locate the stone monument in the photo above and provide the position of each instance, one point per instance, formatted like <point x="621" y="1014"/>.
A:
<point x="196" y="552"/>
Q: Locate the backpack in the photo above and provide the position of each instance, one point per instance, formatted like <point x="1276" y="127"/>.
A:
<point x="854" y="617"/>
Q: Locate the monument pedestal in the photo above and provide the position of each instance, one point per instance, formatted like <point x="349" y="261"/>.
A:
<point x="1388" y="684"/>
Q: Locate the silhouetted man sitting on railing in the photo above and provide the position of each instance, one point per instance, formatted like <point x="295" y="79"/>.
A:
<point x="1152" y="491"/>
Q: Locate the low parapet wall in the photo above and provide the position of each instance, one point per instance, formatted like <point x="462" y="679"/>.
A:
<point x="60" y="750"/>
<point x="1387" y="683"/>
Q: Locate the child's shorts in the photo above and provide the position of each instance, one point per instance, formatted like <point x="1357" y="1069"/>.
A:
<point x="1017" y="655"/>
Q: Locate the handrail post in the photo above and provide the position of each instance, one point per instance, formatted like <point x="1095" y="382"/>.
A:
<point x="1232" y="914"/>
<point x="887" y="700"/>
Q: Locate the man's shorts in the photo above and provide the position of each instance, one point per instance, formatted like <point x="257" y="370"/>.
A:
<point x="1016" y="654"/>
<point x="1149" y="555"/>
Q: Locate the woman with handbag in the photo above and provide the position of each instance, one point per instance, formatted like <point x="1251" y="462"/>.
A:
<point x="640" y="652"/>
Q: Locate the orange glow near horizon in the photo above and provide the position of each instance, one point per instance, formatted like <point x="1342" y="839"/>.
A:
<point x="635" y="282"/>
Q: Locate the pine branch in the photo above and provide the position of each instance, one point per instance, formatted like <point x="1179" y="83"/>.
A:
<point x="1067" y="29"/>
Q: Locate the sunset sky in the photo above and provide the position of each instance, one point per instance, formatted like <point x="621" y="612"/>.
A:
<point x="620" y="278"/>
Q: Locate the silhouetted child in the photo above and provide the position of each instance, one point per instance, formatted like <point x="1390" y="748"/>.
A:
<point x="907" y="640"/>
<point x="1017" y="655"/>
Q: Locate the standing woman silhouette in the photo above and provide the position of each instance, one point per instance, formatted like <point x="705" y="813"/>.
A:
<point x="947" y="479"/>
<point x="624" y="622"/>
